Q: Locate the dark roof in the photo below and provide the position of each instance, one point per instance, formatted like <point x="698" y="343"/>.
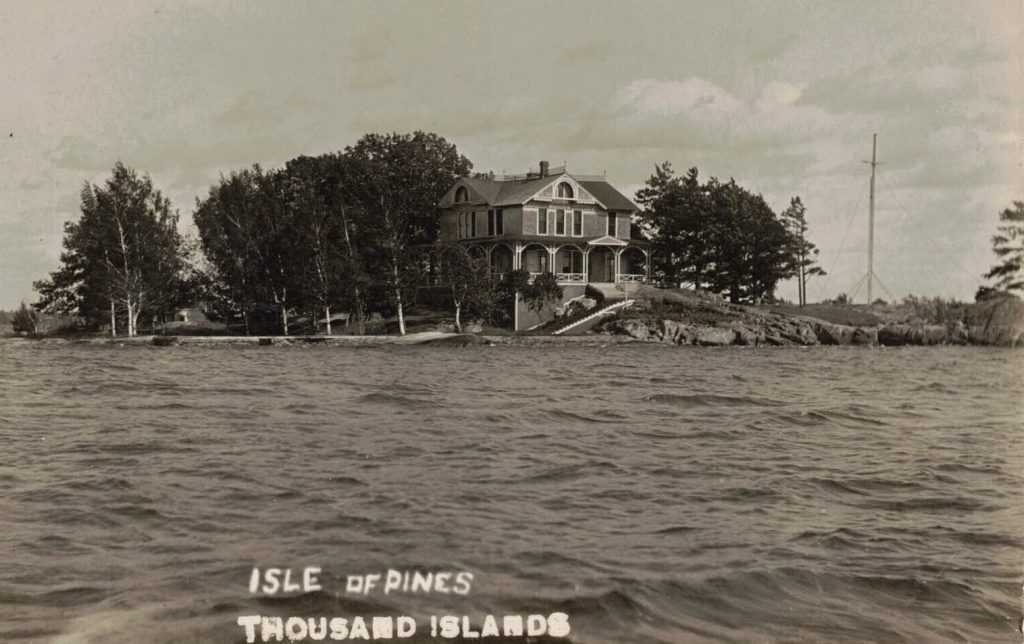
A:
<point x="515" y="192"/>
<point x="608" y="195"/>
<point x="487" y="188"/>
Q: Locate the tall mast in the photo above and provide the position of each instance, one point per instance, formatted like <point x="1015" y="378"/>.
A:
<point x="871" y="218"/>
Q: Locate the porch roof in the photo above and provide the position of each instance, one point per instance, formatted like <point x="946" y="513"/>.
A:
<point x="552" y="239"/>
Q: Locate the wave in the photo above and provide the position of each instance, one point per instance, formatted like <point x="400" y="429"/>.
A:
<point x="397" y="401"/>
<point x="710" y="400"/>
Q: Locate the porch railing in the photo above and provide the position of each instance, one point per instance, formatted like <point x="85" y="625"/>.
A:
<point x="630" y="278"/>
<point x="571" y="278"/>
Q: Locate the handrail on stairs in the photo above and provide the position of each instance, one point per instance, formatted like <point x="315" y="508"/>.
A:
<point x="607" y="309"/>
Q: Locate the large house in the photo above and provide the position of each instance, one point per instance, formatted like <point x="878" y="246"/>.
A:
<point x="574" y="226"/>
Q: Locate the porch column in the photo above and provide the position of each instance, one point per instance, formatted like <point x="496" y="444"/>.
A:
<point x="617" y="264"/>
<point x="586" y="265"/>
<point x="517" y="260"/>
<point x="647" y="266"/>
<point x="551" y="258"/>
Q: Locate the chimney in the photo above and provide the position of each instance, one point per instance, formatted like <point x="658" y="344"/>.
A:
<point x="543" y="168"/>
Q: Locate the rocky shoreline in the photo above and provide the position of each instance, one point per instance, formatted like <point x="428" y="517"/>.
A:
<point x="995" y="323"/>
<point x="677" y="318"/>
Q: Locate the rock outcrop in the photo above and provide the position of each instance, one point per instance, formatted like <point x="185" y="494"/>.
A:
<point x="998" y="322"/>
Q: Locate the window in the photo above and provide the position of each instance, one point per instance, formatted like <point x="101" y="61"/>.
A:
<point x="559" y="222"/>
<point x="495" y="223"/>
<point x="611" y="224"/>
<point x="542" y="221"/>
<point x="565" y="191"/>
<point x="467" y="224"/>
<point x="461" y="194"/>
<point x="577" y="223"/>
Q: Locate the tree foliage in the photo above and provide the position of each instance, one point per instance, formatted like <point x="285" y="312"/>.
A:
<point x="25" y="321"/>
<point x="397" y="179"/>
<point x="675" y="216"/>
<point x="803" y="252"/>
<point x="122" y="259"/>
<point x="542" y="292"/>
<point x="333" y="232"/>
<point x="1008" y="245"/>
<point x="467" y="277"/>
<point x="718" y="235"/>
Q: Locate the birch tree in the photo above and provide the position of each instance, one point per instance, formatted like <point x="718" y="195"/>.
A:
<point x="125" y="249"/>
<point x="245" y="234"/>
<point x="466" y="277"/>
<point x="398" y="179"/>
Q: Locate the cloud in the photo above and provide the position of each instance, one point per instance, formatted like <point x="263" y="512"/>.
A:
<point x="647" y="96"/>
<point x="778" y="93"/>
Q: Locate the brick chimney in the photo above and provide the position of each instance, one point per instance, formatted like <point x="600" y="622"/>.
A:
<point x="543" y="168"/>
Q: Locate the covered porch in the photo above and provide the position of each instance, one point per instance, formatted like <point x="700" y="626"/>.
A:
<point x="602" y="261"/>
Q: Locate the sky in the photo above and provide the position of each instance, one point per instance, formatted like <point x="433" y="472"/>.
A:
<point x="783" y="96"/>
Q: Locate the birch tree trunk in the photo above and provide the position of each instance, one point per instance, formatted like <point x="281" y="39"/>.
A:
<point x="398" y="298"/>
<point x="360" y="317"/>
<point x="327" y="314"/>
<point x="130" y="307"/>
<point x="354" y="268"/>
<point x="113" y="319"/>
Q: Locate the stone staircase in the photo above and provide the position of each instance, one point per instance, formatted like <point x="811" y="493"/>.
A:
<point x="593" y="317"/>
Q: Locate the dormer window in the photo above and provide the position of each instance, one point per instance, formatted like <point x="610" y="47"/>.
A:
<point x="565" y="191"/>
<point x="461" y="194"/>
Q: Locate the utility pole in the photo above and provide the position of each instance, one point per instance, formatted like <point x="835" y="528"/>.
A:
<point x="871" y="218"/>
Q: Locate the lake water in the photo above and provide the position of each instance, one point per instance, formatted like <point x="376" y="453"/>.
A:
<point x="653" y="494"/>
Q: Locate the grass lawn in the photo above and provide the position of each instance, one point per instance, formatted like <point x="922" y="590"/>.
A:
<point x="849" y="315"/>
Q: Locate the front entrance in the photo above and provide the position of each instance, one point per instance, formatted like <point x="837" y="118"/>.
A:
<point x="602" y="265"/>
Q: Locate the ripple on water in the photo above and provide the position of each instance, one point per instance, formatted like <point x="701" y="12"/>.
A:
<point x="653" y="495"/>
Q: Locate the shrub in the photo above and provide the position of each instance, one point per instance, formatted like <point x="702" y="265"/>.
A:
<point x="25" y="321"/>
<point x="935" y="310"/>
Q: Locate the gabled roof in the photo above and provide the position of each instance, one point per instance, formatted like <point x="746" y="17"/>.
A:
<point x="519" y="191"/>
<point x="607" y="240"/>
<point x="486" y="188"/>
<point x="514" y="193"/>
<point x="608" y="196"/>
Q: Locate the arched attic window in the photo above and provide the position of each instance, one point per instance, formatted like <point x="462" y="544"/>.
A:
<point x="461" y="194"/>
<point x="565" y="191"/>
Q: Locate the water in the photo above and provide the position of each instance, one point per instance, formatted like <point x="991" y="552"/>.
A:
<point x="653" y="494"/>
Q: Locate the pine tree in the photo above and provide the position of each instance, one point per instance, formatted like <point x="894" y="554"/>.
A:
<point x="1008" y="245"/>
<point x="804" y="253"/>
<point x="675" y="217"/>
